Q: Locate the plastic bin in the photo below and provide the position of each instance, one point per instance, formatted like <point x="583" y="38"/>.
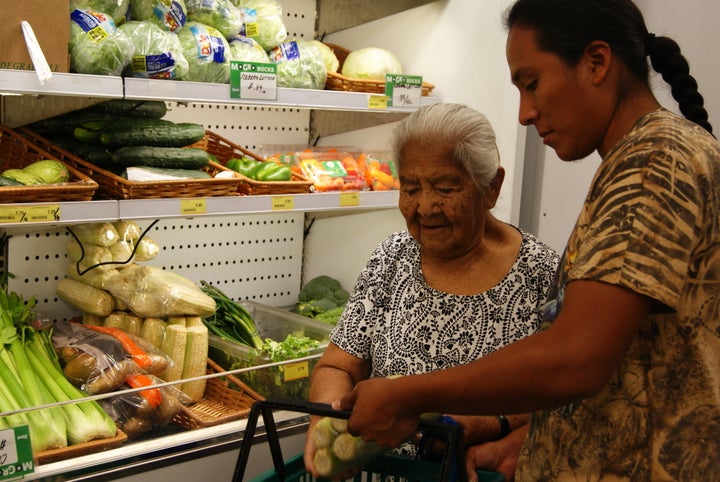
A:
<point x="290" y="380"/>
<point x="386" y="467"/>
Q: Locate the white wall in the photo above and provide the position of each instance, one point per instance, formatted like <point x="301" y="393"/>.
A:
<point x="459" y="46"/>
<point x="561" y="185"/>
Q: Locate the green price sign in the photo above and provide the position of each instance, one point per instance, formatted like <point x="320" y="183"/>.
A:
<point x="253" y="80"/>
<point x="403" y="90"/>
<point x="16" y="458"/>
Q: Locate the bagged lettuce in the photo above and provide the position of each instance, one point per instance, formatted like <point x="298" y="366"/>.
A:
<point x="97" y="46"/>
<point x="222" y="15"/>
<point x="263" y="22"/>
<point x="168" y="14"/>
<point x="118" y="9"/>
<point x="300" y="65"/>
<point x="245" y="49"/>
<point x="207" y="53"/>
<point x="158" y="53"/>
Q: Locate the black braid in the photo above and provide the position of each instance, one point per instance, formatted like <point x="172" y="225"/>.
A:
<point x="666" y="59"/>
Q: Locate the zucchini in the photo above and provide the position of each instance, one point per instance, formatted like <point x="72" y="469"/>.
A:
<point x="139" y="109"/>
<point x="167" y="157"/>
<point x="6" y="181"/>
<point x="161" y="135"/>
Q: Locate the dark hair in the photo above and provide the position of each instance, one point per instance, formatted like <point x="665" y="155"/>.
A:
<point x="566" y="27"/>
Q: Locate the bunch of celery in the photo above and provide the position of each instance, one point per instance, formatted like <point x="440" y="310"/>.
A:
<point x="31" y="376"/>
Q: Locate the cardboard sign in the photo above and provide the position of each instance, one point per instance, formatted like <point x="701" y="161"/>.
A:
<point x="49" y="19"/>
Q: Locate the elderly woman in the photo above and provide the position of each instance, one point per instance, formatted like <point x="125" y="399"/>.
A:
<point x="456" y="285"/>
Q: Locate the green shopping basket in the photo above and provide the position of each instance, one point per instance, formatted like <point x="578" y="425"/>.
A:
<point x="385" y="467"/>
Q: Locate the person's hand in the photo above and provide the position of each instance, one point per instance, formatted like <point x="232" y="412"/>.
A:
<point x="498" y="456"/>
<point x="380" y="413"/>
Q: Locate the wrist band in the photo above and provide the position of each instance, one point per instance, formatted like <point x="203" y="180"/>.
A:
<point x="504" y="425"/>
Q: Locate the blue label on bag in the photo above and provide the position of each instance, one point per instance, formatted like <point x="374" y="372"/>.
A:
<point x="96" y="24"/>
<point x="210" y="47"/>
<point x="171" y="14"/>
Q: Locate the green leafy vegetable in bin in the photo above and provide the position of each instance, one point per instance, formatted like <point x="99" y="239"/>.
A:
<point x="323" y="298"/>
<point x="231" y="320"/>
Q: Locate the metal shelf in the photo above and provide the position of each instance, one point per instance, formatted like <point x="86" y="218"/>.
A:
<point x="26" y="82"/>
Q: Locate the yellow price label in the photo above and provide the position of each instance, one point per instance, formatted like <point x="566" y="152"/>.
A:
<point x="296" y="371"/>
<point x="30" y="214"/>
<point x="350" y="198"/>
<point x="280" y="203"/>
<point x="377" y="102"/>
<point x="193" y="206"/>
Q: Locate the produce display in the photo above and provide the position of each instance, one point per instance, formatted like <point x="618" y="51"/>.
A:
<point x="156" y="314"/>
<point x="264" y="171"/>
<point x="322" y="298"/>
<point x="31" y="376"/>
<point x="246" y="334"/>
<point x="130" y="138"/>
<point x="45" y="171"/>
<point x="371" y="63"/>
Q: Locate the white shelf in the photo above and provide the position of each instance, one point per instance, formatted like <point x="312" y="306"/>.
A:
<point x="27" y="82"/>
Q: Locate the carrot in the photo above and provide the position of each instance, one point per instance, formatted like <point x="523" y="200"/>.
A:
<point x="138" y="355"/>
<point x="152" y="395"/>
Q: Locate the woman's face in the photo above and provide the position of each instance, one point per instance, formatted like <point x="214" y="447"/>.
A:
<point x="442" y="207"/>
<point x="560" y="101"/>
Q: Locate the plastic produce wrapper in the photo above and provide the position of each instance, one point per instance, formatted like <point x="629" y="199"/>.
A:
<point x="263" y="22"/>
<point x="139" y="412"/>
<point x="331" y="171"/>
<point x="222" y="15"/>
<point x="96" y="45"/>
<point x="170" y="15"/>
<point x="207" y="52"/>
<point x="245" y="49"/>
<point x="149" y="291"/>
<point x="300" y="65"/>
<point x="98" y="362"/>
<point x="117" y="9"/>
<point x="158" y="52"/>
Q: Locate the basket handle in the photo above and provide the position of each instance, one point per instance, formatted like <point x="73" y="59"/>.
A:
<point x="454" y="451"/>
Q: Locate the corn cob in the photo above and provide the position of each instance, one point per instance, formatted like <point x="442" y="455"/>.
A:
<point x="85" y="298"/>
<point x="132" y="324"/>
<point x="153" y="330"/>
<point x="97" y="278"/>
<point x="324" y="433"/>
<point x="147" y="249"/>
<point x="196" y="353"/>
<point x="173" y="345"/>
<point x="127" y="230"/>
<point x="89" y="253"/>
<point x="116" y="319"/>
<point x="92" y="320"/>
<point x="99" y="234"/>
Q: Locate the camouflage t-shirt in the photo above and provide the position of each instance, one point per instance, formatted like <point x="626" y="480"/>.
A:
<point x="650" y="223"/>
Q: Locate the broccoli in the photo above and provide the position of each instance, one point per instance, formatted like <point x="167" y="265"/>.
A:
<point x="323" y="287"/>
<point x="313" y="308"/>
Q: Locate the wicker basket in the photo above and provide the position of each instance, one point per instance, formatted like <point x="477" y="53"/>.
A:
<point x="337" y="81"/>
<point x="225" y="150"/>
<point x="112" y="186"/>
<point x="16" y="152"/>
<point x="226" y="399"/>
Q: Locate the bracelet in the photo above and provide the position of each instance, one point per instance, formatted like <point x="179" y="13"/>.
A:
<point x="504" y="425"/>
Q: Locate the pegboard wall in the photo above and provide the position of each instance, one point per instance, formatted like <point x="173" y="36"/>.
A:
<point x="257" y="257"/>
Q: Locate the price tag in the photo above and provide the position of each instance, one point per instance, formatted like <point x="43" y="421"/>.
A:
<point x="30" y="214"/>
<point x="193" y="206"/>
<point x="281" y="203"/>
<point x="253" y="80"/>
<point x="296" y="371"/>
<point x="351" y="198"/>
<point x="16" y="459"/>
<point x="403" y="90"/>
<point x="377" y="102"/>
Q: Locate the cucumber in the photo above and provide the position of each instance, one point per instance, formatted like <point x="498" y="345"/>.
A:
<point x="92" y="131"/>
<point x="139" y="109"/>
<point x="161" y="135"/>
<point x="167" y="157"/>
<point x="6" y="181"/>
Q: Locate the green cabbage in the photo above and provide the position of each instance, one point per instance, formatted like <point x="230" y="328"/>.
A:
<point x="222" y="15"/>
<point x="371" y="63"/>
<point x="169" y="14"/>
<point x="117" y="9"/>
<point x="263" y="22"/>
<point x="299" y="64"/>
<point x="158" y="52"/>
<point x="245" y="49"/>
<point x="207" y="53"/>
<point x="331" y="61"/>
<point x="106" y="50"/>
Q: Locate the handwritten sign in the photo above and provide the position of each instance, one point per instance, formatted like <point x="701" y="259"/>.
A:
<point x="403" y="90"/>
<point x="253" y="80"/>
<point x="16" y="458"/>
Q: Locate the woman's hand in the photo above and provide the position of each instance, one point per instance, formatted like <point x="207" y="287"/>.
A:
<point x="498" y="456"/>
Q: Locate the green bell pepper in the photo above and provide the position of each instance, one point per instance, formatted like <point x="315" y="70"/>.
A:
<point x="272" y="171"/>
<point x="246" y="166"/>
